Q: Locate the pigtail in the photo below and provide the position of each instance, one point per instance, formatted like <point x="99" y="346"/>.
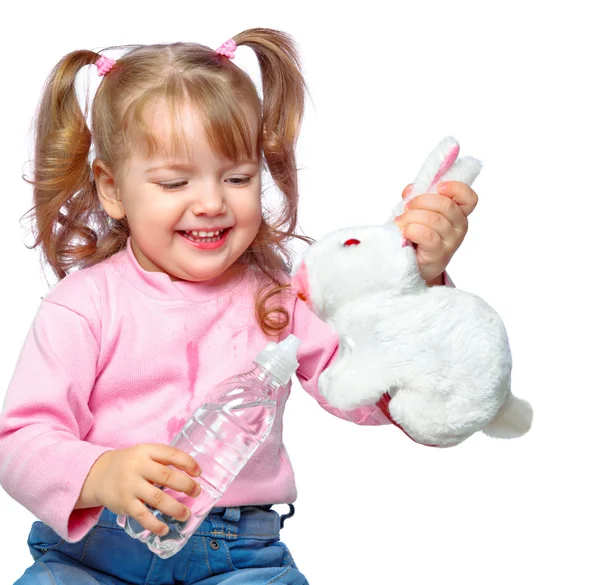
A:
<point x="282" y="112"/>
<point x="283" y="109"/>
<point x="64" y="197"/>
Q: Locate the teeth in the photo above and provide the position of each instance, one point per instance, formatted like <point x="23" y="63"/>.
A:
<point x="196" y="235"/>
<point x="205" y="234"/>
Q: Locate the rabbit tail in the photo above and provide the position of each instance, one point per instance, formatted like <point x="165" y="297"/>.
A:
<point x="513" y="419"/>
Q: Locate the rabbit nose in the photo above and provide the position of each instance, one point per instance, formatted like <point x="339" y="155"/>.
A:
<point x="300" y="283"/>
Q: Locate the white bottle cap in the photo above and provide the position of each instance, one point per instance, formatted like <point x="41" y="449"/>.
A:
<point x="280" y="358"/>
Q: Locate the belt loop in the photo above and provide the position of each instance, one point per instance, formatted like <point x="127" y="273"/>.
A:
<point x="232" y="514"/>
<point x="284" y="517"/>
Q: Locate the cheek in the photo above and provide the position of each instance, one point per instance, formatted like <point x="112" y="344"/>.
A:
<point x="147" y="209"/>
<point x="249" y="212"/>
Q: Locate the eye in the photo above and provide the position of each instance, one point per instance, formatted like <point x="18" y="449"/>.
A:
<point x="239" y="180"/>
<point x="172" y="186"/>
<point x="352" y="242"/>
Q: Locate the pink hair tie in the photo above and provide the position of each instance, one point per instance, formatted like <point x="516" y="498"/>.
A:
<point x="227" y="49"/>
<point x="104" y="65"/>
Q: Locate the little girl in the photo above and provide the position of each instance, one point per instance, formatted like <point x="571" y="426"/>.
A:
<point x="181" y="281"/>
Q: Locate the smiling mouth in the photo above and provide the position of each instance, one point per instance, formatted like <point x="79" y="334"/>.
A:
<point x="205" y="237"/>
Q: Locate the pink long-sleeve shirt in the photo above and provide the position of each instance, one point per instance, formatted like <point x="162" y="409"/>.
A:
<point x="119" y="356"/>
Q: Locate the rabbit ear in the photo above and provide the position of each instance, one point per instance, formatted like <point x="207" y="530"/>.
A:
<point x="436" y="165"/>
<point x="464" y="170"/>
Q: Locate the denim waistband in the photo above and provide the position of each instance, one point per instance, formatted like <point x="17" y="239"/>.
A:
<point x="228" y="523"/>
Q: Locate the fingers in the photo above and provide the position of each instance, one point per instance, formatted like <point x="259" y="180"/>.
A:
<point x="426" y="238"/>
<point x="432" y="220"/>
<point x="163" y="501"/>
<point x="162" y="470"/>
<point x="427" y="223"/>
<point x="439" y="205"/>
<point x="167" y="455"/>
<point x="169" y="477"/>
<point x="144" y="516"/>
<point x="128" y="479"/>
<point x="433" y="254"/>
<point x="461" y="194"/>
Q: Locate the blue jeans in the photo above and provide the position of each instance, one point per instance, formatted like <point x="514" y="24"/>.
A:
<point x="233" y="546"/>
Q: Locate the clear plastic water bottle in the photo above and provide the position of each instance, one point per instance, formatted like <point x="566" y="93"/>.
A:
<point x="222" y="435"/>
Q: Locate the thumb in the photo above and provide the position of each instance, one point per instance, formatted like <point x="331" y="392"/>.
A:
<point x="407" y="190"/>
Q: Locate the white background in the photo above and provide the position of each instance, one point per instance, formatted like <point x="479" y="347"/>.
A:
<point x="517" y="84"/>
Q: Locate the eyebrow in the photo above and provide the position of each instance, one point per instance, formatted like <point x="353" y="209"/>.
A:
<point x="177" y="166"/>
<point x="185" y="167"/>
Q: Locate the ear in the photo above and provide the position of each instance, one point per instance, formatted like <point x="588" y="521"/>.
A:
<point x="108" y="192"/>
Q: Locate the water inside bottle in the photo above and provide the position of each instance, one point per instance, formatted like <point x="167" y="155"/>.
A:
<point x="221" y="438"/>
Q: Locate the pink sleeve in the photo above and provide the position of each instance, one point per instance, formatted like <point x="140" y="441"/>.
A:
<point x="319" y="345"/>
<point x="44" y="459"/>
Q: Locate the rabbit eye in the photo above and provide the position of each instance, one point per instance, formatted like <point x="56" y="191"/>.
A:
<point x="352" y="242"/>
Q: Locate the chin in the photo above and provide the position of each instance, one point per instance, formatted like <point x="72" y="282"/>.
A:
<point x="206" y="275"/>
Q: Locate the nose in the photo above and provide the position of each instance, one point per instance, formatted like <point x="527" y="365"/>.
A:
<point x="208" y="200"/>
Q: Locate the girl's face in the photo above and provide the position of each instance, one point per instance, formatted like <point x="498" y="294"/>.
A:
<point x="190" y="216"/>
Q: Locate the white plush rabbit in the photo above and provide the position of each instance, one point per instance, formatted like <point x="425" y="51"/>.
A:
<point x="438" y="355"/>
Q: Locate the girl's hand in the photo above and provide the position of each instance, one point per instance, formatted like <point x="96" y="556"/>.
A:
<point x="123" y="481"/>
<point x="437" y="224"/>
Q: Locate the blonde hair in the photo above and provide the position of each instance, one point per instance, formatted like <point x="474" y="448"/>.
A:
<point x="69" y="223"/>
